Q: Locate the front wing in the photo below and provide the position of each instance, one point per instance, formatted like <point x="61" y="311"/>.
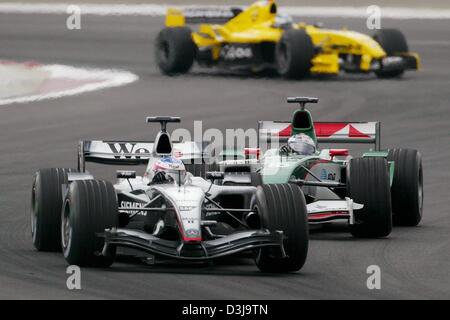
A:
<point x="324" y="211"/>
<point x="201" y="251"/>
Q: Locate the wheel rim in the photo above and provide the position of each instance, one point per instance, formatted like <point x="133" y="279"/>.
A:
<point x="66" y="227"/>
<point x="420" y="190"/>
<point x="34" y="209"/>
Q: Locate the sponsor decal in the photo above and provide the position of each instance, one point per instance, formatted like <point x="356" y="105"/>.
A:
<point x="192" y="233"/>
<point x="127" y="149"/>
<point x="186" y="208"/>
<point x="210" y="214"/>
<point x="232" y="52"/>
<point x="325" y="175"/>
<point x="208" y="13"/>
<point x="133" y="206"/>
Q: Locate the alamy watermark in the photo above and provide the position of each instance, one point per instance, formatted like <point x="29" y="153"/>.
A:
<point x="373" y="21"/>
<point x="374" y="280"/>
<point x="73" y="21"/>
<point x="231" y="139"/>
<point x="74" y="279"/>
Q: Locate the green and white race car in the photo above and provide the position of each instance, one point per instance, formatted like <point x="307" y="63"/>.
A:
<point x="371" y="192"/>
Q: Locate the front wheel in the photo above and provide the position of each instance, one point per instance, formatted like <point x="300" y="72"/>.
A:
<point x="393" y="43"/>
<point x="46" y="206"/>
<point x="294" y="53"/>
<point x="368" y="184"/>
<point x="282" y="207"/>
<point x="90" y="207"/>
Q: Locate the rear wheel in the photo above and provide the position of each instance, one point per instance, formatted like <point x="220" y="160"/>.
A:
<point x="90" y="207"/>
<point x="294" y="53"/>
<point x="393" y="42"/>
<point x="46" y="206"/>
<point x="407" y="186"/>
<point x="175" y="50"/>
<point x="282" y="207"/>
<point x="368" y="184"/>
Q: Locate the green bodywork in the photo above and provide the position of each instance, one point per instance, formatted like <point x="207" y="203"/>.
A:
<point x="307" y="128"/>
<point x="382" y="154"/>
<point x="281" y="169"/>
<point x="276" y="168"/>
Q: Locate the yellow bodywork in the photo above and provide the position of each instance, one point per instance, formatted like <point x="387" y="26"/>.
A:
<point x="257" y="24"/>
<point x="335" y="42"/>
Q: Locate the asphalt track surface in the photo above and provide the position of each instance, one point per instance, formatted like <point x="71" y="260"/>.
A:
<point x="415" y="262"/>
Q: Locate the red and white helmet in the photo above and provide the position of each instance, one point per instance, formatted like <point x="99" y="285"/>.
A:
<point x="172" y="168"/>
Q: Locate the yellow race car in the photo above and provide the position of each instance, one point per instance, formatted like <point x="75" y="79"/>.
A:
<point x="259" y="38"/>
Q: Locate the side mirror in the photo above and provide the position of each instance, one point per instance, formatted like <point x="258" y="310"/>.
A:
<point x="126" y="174"/>
<point x="215" y="175"/>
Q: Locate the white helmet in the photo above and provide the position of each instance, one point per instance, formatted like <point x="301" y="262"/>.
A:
<point x="167" y="169"/>
<point x="302" y="144"/>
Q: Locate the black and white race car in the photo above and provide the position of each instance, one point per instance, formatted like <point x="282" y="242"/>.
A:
<point x="167" y="212"/>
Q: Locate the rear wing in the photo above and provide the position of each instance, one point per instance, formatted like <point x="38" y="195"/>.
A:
<point x="133" y="152"/>
<point x="328" y="132"/>
<point x="191" y="15"/>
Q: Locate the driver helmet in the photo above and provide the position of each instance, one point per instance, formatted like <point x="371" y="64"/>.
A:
<point x="283" y="20"/>
<point x="302" y="144"/>
<point x="167" y="169"/>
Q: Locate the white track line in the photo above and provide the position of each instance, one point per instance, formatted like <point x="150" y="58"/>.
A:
<point x="159" y="10"/>
<point x="97" y="79"/>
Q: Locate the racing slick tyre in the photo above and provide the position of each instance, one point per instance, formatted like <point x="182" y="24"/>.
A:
<point x="368" y="184"/>
<point x="294" y="53"/>
<point x="46" y="206"/>
<point x="282" y="207"/>
<point x="175" y="50"/>
<point x="407" y="186"/>
<point x="393" y="42"/>
<point x="90" y="207"/>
